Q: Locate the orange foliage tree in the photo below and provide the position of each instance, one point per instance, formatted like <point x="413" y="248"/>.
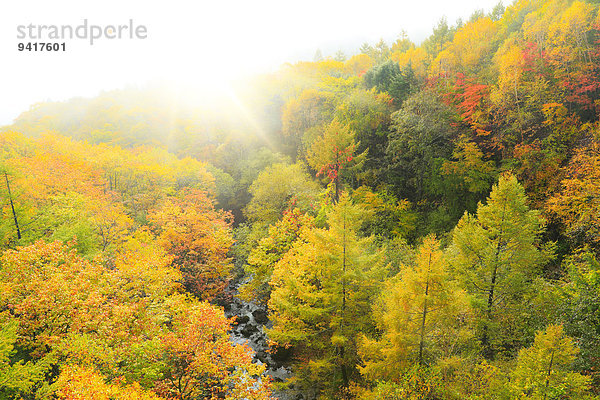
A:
<point x="198" y="237"/>
<point x="129" y="325"/>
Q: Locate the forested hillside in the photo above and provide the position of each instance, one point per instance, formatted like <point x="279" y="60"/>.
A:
<point x="418" y="221"/>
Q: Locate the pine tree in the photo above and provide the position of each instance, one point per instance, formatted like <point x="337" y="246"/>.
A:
<point x="543" y="371"/>
<point x="495" y="253"/>
<point x="420" y="314"/>
<point x="322" y="289"/>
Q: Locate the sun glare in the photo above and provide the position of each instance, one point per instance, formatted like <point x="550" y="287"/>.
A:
<point x="198" y="45"/>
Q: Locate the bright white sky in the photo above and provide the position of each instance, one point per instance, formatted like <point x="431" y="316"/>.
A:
<point x="196" y="43"/>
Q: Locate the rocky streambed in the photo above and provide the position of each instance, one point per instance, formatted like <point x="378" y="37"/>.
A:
<point x="250" y="327"/>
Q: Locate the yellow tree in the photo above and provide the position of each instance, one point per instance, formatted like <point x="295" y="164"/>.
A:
<point x="416" y="57"/>
<point x="471" y="44"/>
<point x="333" y="152"/>
<point x="496" y="255"/>
<point x="510" y="65"/>
<point x="543" y="371"/>
<point x="359" y="64"/>
<point x="321" y="291"/>
<point x="421" y="313"/>
<point x="269" y="250"/>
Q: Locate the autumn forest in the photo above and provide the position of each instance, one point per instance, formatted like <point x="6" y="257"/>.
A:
<point x="412" y="221"/>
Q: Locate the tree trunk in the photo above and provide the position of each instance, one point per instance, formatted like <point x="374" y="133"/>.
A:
<point x="337" y="187"/>
<point x="548" y="375"/>
<point x="487" y="348"/>
<point x="424" y="316"/>
<point x="344" y="371"/>
<point x="12" y="206"/>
